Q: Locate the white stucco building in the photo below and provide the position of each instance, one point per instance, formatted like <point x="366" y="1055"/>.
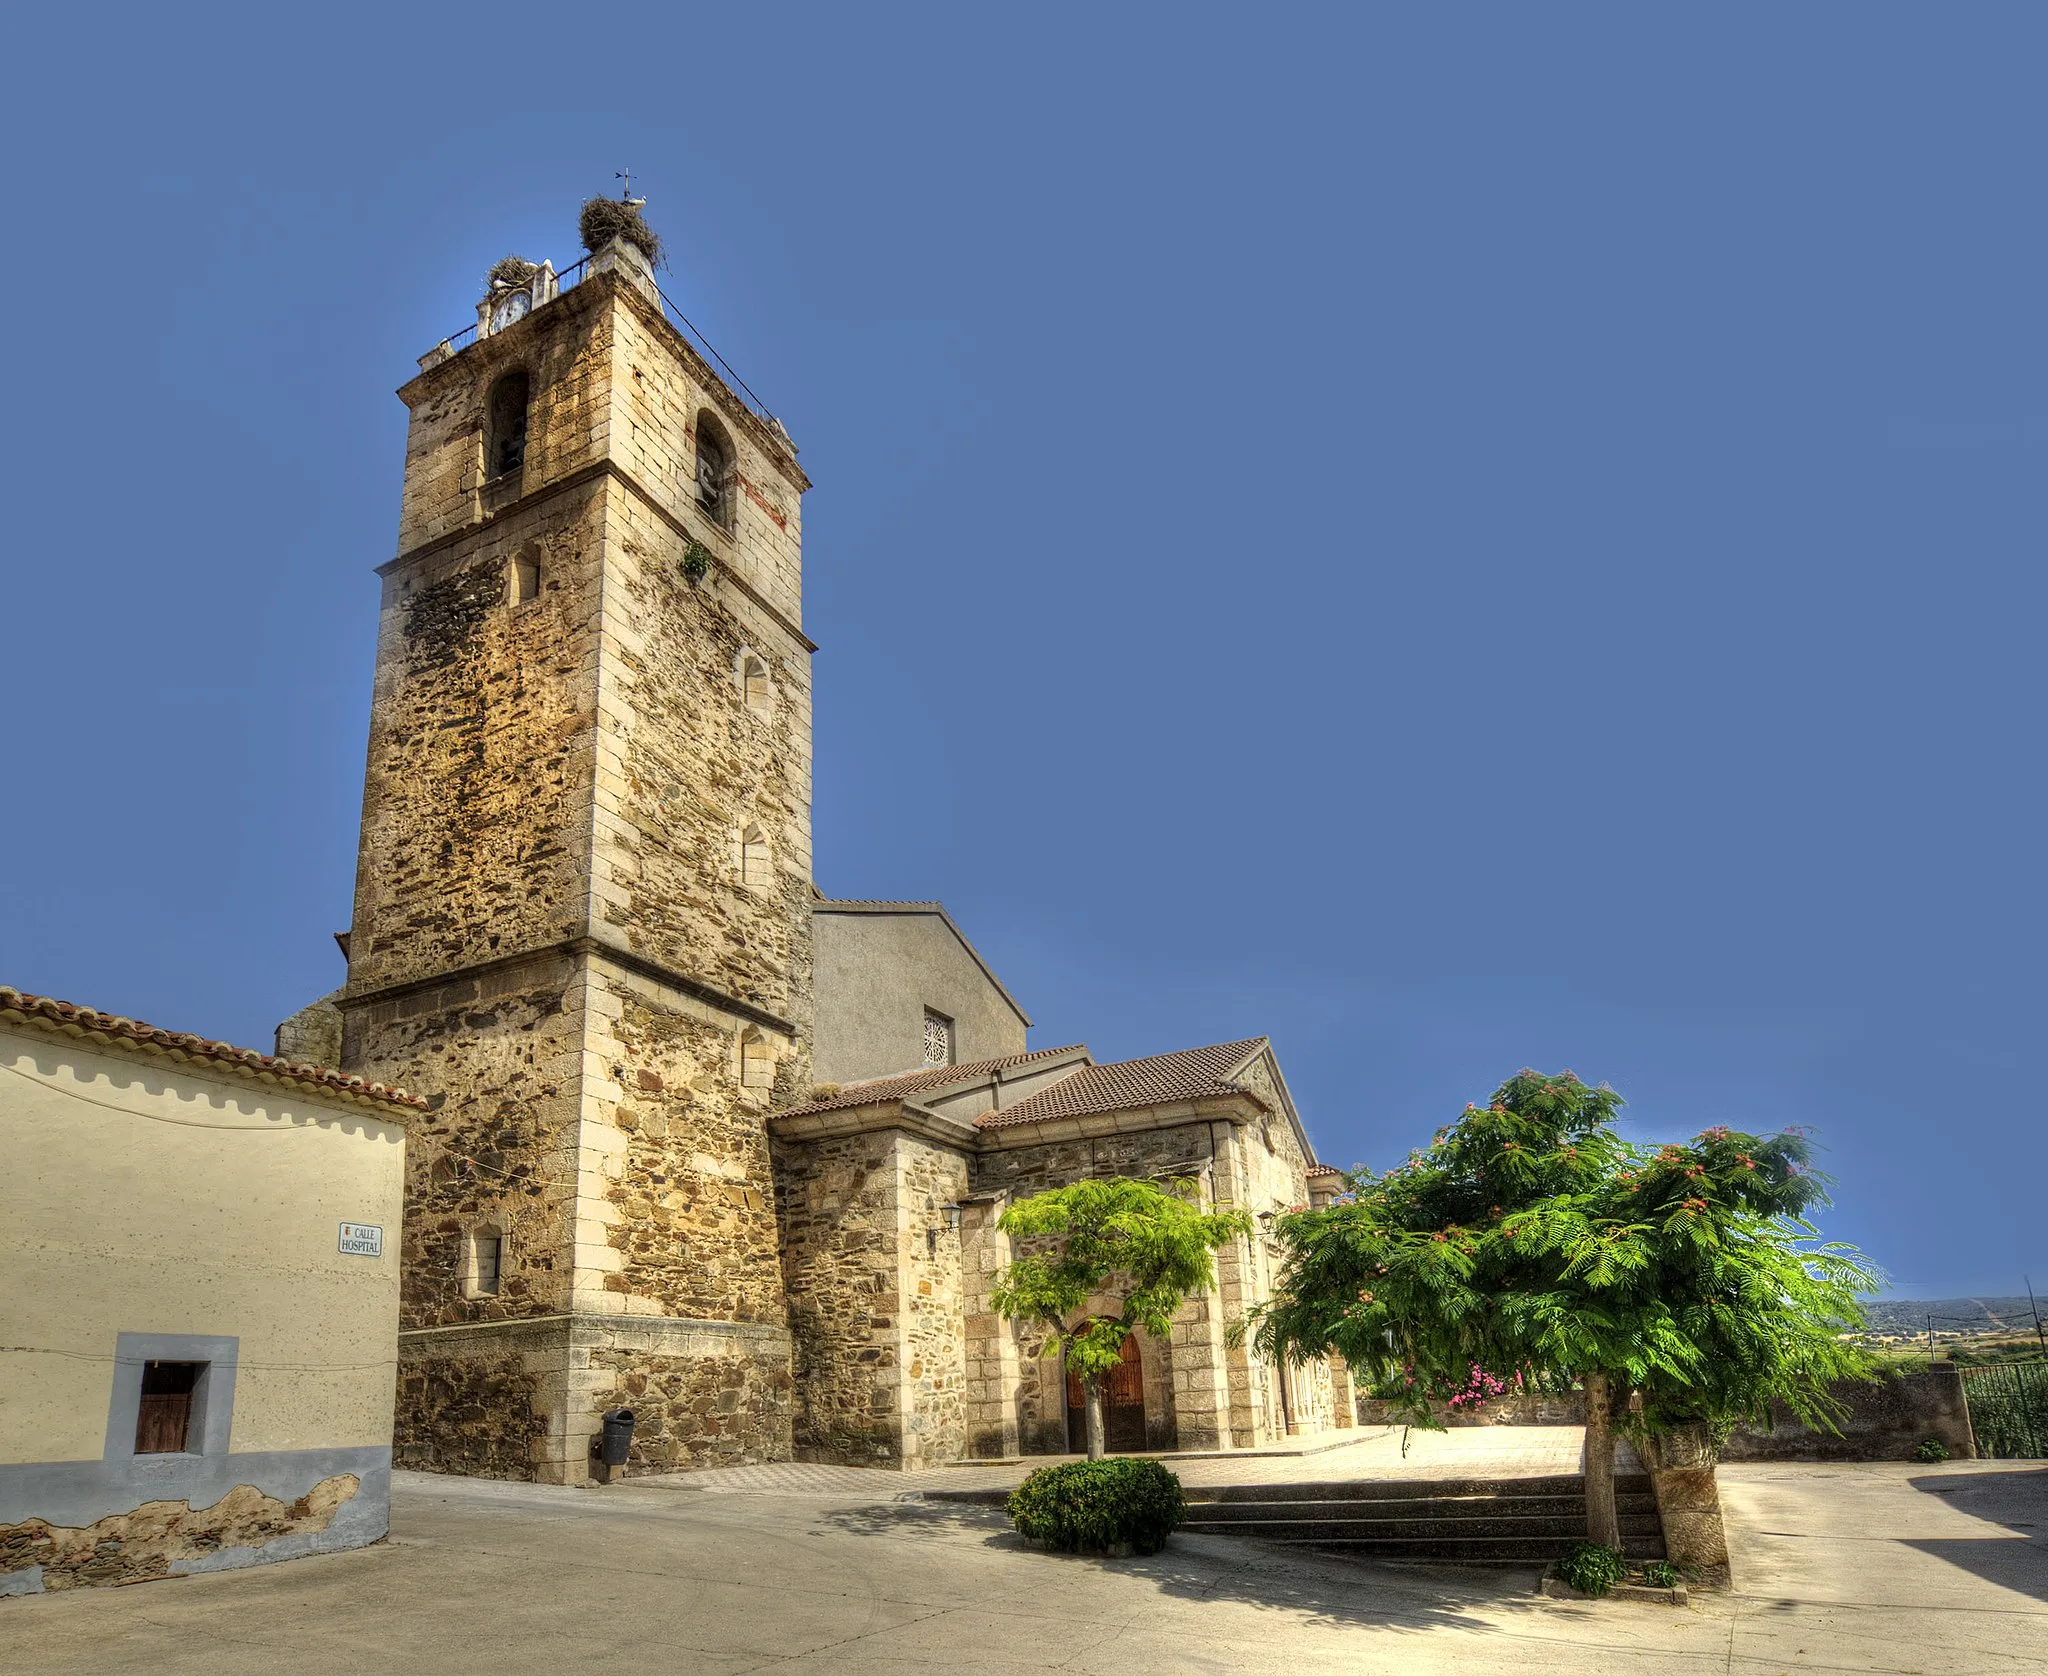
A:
<point x="198" y="1301"/>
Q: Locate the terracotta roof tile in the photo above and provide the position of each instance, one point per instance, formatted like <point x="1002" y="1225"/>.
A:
<point x="903" y="1084"/>
<point x="1191" y="1074"/>
<point x="87" y="1021"/>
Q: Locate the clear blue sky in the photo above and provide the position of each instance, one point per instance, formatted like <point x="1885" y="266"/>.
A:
<point x="1453" y="537"/>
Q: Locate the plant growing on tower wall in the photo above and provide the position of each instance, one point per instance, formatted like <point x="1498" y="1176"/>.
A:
<point x="1681" y="1286"/>
<point x="1147" y="1247"/>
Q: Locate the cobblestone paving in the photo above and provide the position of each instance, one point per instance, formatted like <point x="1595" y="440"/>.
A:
<point x="1467" y="1452"/>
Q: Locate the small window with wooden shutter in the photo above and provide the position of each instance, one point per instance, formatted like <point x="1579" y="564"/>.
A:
<point x="163" y="1424"/>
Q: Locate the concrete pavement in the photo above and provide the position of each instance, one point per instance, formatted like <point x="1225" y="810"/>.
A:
<point x="1938" y="1570"/>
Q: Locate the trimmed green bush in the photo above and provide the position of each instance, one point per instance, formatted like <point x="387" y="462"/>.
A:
<point x="1591" y="1567"/>
<point x="1092" y="1507"/>
<point x="1930" y="1449"/>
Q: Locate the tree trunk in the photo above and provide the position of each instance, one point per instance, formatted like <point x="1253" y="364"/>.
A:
<point x="1602" y="1524"/>
<point x="1091" y="1387"/>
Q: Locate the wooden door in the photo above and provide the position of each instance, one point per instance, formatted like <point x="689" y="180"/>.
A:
<point x="1123" y="1406"/>
<point x="163" y="1423"/>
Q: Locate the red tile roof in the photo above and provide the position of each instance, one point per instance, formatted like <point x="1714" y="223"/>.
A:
<point x="86" y="1021"/>
<point x="906" y="1083"/>
<point x="1191" y="1074"/>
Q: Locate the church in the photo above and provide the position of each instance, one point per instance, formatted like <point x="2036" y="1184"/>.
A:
<point x="699" y="1140"/>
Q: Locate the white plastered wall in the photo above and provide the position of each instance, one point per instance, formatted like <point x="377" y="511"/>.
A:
<point x="145" y="1195"/>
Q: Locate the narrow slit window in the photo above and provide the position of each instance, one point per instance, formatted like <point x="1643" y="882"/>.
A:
<point x="525" y="579"/>
<point x="754" y="688"/>
<point x="757" y="862"/>
<point x="757" y="1064"/>
<point x="163" y="1424"/>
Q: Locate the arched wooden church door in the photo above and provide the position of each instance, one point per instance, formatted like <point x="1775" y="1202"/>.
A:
<point x="1123" y="1406"/>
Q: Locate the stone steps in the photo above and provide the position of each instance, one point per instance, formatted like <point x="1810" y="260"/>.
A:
<point x="1475" y="1521"/>
<point x="1471" y="1521"/>
<point x="1423" y="1519"/>
<point x="1397" y="1489"/>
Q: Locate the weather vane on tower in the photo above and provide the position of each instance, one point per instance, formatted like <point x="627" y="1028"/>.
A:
<point x="626" y="193"/>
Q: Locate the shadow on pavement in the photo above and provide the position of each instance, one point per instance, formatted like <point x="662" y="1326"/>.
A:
<point x="2017" y="1500"/>
<point x="1325" y="1587"/>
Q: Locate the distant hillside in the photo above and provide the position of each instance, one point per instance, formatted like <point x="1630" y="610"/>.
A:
<point x="1955" y="1315"/>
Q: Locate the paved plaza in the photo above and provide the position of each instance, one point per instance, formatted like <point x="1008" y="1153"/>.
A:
<point x="1372" y="1452"/>
<point x="1940" y="1571"/>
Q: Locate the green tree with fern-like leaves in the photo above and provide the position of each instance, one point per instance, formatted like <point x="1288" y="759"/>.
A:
<point x="1681" y="1286"/>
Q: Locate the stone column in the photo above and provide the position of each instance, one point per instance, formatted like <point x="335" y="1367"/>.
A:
<point x="1201" y="1380"/>
<point x="1681" y="1467"/>
<point x="1343" y="1394"/>
<point x="1234" y="1295"/>
<point x="992" y="1363"/>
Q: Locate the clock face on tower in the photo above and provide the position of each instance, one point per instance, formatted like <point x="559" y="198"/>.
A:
<point x="514" y="305"/>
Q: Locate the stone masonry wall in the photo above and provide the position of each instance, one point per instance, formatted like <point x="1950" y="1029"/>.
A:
<point x="1195" y="1415"/>
<point x="565" y="349"/>
<point x="478" y="1408"/>
<point x="934" y="1348"/>
<point x="312" y="1035"/>
<point x="994" y="1424"/>
<point x="876" y="1303"/>
<point x="693" y="1191"/>
<point x="838" y="1201"/>
<point x="499" y="1058"/>
<point x="476" y="823"/>
<point x="1020" y="1171"/>
<point x="700" y="1397"/>
<point x="1885" y="1421"/>
<point x="549" y="781"/>
<point x="663" y="388"/>
<point x="685" y="767"/>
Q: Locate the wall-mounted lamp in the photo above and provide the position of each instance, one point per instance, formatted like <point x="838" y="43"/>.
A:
<point x="950" y="1216"/>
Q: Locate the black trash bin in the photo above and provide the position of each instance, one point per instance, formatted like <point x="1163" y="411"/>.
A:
<point x="618" y="1437"/>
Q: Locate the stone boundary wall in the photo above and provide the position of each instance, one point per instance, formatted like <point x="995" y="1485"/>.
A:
<point x="1533" y="1409"/>
<point x="703" y="1393"/>
<point x="478" y="1402"/>
<point x="1885" y="1422"/>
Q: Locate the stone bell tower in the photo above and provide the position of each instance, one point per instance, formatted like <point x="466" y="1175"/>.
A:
<point x="582" y="907"/>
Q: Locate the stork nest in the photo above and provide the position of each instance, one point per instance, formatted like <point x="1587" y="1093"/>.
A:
<point x="605" y="219"/>
<point x="511" y="270"/>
